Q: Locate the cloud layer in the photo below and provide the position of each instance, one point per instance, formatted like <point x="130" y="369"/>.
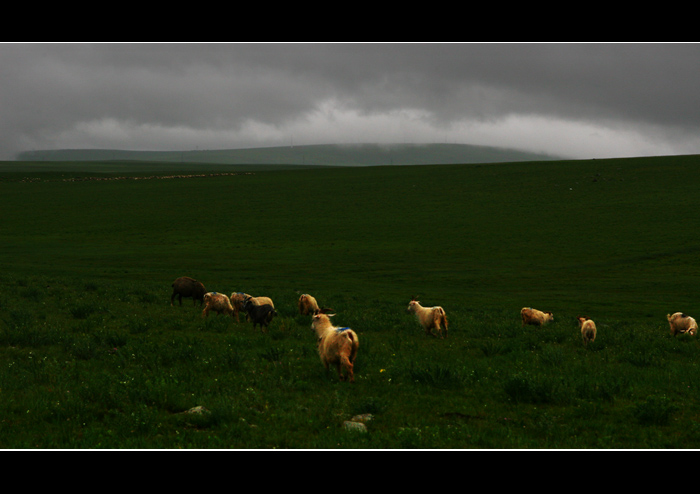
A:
<point x="574" y="100"/>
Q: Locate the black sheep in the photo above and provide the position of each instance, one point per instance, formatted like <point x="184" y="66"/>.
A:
<point x="259" y="314"/>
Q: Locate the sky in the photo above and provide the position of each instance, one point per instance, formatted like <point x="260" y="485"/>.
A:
<point x="573" y="100"/>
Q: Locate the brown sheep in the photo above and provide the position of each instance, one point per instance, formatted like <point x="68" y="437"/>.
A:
<point x="307" y="305"/>
<point x="429" y="317"/>
<point x="188" y="287"/>
<point x="588" y="329"/>
<point x="535" y="317"/>
<point x="682" y="323"/>
<point x="217" y="302"/>
<point x="336" y="346"/>
<point x="238" y="300"/>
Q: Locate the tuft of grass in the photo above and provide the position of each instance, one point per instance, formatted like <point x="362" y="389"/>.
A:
<point x="437" y="376"/>
<point x="655" y="410"/>
<point x="527" y="387"/>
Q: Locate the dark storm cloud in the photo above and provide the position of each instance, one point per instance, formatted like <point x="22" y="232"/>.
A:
<point x="632" y="98"/>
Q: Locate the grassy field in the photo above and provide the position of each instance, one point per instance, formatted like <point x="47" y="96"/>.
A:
<point x="92" y="355"/>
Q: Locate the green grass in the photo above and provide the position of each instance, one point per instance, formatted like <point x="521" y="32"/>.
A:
<point x="92" y="355"/>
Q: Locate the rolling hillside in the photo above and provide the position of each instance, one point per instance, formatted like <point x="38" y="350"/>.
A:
<point x="317" y="155"/>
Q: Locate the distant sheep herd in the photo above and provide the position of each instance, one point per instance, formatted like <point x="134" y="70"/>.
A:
<point x="337" y="346"/>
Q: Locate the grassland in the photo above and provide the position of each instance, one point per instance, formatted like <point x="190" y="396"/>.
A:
<point x="92" y="355"/>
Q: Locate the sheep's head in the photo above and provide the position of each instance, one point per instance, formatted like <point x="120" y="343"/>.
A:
<point x="247" y="304"/>
<point x="321" y="319"/>
<point x="412" y="305"/>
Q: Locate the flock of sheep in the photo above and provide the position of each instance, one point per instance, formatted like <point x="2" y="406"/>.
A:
<point x="337" y="346"/>
<point x="679" y="323"/>
<point x="539" y="318"/>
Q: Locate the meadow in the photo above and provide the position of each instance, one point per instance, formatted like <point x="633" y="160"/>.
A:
<point x="92" y="354"/>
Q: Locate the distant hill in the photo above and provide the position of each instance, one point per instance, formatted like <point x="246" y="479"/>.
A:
<point x="321" y="155"/>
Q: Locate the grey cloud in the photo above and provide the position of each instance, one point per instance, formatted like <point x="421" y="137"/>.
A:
<point x="52" y="93"/>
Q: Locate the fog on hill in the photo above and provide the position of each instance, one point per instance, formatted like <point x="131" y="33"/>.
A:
<point x="322" y="155"/>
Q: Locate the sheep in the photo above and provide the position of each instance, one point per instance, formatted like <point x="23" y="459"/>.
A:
<point x="255" y="301"/>
<point x="682" y="323"/>
<point x="307" y="305"/>
<point x="535" y="317"/>
<point x="588" y="329"/>
<point x="336" y="346"/>
<point x="259" y="314"/>
<point x="217" y="302"/>
<point x="237" y="300"/>
<point x="188" y="287"/>
<point x="259" y="300"/>
<point x="429" y="317"/>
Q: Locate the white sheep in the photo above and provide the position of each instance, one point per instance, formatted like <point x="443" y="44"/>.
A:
<point x="217" y="302"/>
<point x="259" y="300"/>
<point x="429" y="317"/>
<point x="307" y="304"/>
<point x="682" y="323"/>
<point x="336" y="346"/>
<point x="588" y="329"/>
<point x="535" y="317"/>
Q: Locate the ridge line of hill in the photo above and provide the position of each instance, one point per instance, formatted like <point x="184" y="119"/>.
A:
<point x="319" y="154"/>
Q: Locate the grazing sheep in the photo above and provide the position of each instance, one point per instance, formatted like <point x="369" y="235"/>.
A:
<point x="256" y="301"/>
<point x="588" y="329"/>
<point x="237" y="300"/>
<point x="336" y="346"/>
<point x="307" y="305"/>
<point x="217" y="302"/>
<point x="188" y="287"/>
<point x="429" y="317"/>
<point x="682" y="323"/>
<point x="259" y="300"/>
<point x="535" y="317"/>
<point x="259" y="314"/>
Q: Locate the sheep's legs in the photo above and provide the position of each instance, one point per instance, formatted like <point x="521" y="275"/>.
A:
<point x="344" y="362"/>
<point x="340" y="371"/>
<point x="348" y="370"/>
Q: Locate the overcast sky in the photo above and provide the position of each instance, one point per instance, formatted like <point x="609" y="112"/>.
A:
<point x="572" y="100"/>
